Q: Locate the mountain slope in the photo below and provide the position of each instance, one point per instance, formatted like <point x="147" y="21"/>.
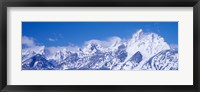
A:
<point x="165" y="60"/>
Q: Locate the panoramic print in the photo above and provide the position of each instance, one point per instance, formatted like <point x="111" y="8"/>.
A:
<point x="100" y="46"/>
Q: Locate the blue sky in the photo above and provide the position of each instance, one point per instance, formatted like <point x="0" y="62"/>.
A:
<point x="76" y="33"/>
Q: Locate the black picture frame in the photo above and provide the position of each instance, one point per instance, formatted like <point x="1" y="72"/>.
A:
<point x="99" y="3"/>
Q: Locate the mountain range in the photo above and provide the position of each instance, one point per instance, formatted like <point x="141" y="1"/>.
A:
<point x="143" y="51"/>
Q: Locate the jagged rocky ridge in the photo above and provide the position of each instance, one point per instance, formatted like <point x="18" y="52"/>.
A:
<point x="144" y="51"/>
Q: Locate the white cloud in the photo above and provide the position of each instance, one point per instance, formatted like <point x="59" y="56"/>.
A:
<point x="52" y="40"/>
<point x="105" y="43"/>
<point x="62" y="48"/>
<point x="28" y="41"/>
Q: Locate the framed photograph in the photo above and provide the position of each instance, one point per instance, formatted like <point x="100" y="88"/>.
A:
<point x="99" y="45"/>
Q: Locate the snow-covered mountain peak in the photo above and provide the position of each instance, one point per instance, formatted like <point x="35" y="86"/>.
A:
<point x="137" y="35"/>
<point x="145" y="41"/>
<point x="148" y="44"/>
<point x="29" y="52"/>
<point x="36" y="49"/>
<point x="92" y="46"/>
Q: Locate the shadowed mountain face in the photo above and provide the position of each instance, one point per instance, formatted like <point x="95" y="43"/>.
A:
<point x="144" y="51"/>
